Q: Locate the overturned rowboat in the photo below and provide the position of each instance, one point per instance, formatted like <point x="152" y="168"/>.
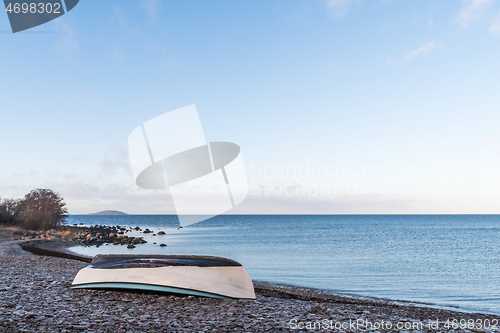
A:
<point x="192" y="275"/>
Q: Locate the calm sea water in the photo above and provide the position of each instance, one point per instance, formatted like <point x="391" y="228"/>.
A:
<point x="447" y="260"/>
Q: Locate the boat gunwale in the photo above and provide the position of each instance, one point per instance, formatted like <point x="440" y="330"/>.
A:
<point x="103" y="259"/>
<point x="156" y="287"/>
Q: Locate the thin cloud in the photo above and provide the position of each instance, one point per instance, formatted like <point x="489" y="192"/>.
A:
<point x="339" y="7"/>
<point x="486" y="139"/>
<point x="66" y="42"/>
<point x="495" y="27"/>
<point x="85" y="197"/>
<point x="324" y="204"/>
<point x="117" y="53"/>
<point x="116" y="159"/>
<point x="472" y="10"/>
<point x="120" y="17"/>
<point x="425" y="48"/>
<point x="151" y="7"/>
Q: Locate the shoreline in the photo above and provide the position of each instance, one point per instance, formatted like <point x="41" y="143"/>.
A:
<point x="317" y="294"/>
<point x="57" y="247"/>
<point x="35" y="291"/>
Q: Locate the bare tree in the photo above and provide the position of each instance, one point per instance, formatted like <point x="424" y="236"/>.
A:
<point x="42" y="209"/>
<point x="8" y="210"/>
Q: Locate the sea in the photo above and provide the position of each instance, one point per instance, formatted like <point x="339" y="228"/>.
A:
<point x="440" y="260"/>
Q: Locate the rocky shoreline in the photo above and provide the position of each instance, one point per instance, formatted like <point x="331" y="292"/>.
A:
<point x="35" y="297"/>
<point x="88" y="236"/>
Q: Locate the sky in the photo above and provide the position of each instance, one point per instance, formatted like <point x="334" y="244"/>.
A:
<point x="339" y="106"/>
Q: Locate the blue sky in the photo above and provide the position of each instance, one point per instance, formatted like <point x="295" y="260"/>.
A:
<point x="398" y="100"/>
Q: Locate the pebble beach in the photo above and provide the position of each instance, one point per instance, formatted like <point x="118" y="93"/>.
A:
<point x="35" y="296"/>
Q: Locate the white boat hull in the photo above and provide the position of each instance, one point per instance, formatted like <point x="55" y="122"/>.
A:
<point x="193" y="275"/>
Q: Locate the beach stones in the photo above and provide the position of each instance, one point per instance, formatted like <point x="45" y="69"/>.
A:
<point x="87" y="236"/>
<point x="163" y="244"/>
<point x="161" y="232"/>
<point x="37" y="305"/>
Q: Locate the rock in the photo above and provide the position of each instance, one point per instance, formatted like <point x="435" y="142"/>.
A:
<point x="112" y="235"/>
<point x="162" y="244"/>
<point x="79" y="327"/>
<point x="161" y="232"/>
<point x="130" y="246"/>
<point x="318" y="309"/>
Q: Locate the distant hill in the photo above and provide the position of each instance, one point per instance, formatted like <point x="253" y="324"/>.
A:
<point x="109" y="212"/>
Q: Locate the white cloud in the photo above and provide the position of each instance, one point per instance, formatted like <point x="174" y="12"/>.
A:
<point x="495" y="27"/>
<point x="425" y="48"/>
<point x="339" y="7"/>
<point x="88" y="197"/>
<point x="472" y="10"/>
